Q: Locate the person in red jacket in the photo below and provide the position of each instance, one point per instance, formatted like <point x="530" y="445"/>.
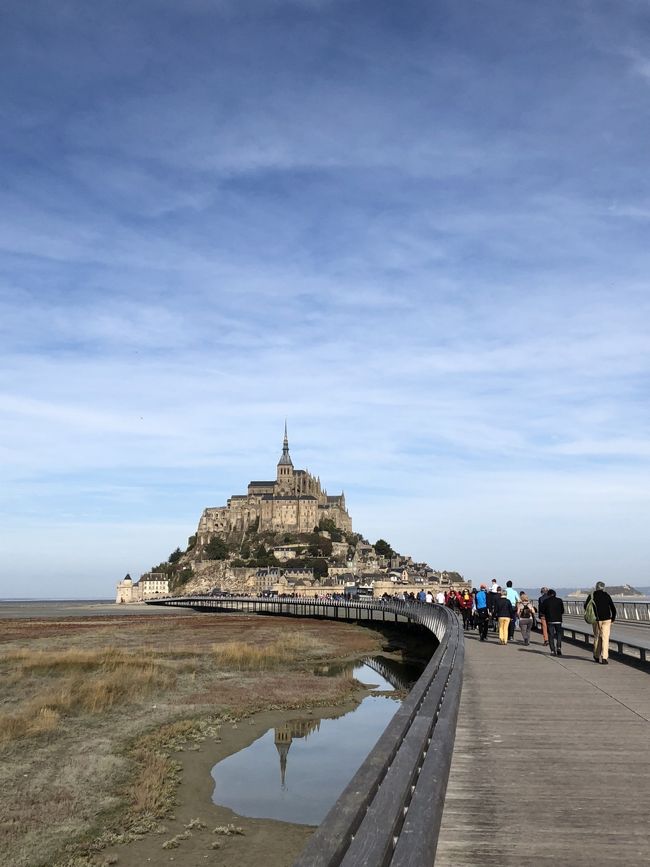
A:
<point x="466" y="603"/>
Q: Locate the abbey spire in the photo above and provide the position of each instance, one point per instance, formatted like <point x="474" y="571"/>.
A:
<point x="285" y="475"/>
<point x="285" y="458"/>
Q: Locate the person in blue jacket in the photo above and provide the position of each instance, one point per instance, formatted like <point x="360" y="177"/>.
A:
<point x="482" y="612"/>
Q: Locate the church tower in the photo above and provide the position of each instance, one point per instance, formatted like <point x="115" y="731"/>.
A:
<point x="285" y="465"/>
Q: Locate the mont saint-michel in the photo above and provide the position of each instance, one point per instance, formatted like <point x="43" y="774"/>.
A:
<point x="285" y="534"/>
<point x="294" y="501"/>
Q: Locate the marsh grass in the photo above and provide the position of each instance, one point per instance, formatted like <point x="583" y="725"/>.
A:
<point x="78" y="682"/>
<point x="74" y="660"/>
<point x="148" y="793"/>
<point x="242" y="656"/>
<point x="77" y="781"/>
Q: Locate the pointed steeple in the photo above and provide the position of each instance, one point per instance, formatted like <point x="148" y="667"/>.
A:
<point x="285" y="458"/>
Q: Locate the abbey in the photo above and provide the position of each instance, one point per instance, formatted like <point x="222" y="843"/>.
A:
<point x="293" y="502"/>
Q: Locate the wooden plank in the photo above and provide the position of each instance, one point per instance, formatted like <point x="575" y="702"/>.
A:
<point x="550" y="764"/>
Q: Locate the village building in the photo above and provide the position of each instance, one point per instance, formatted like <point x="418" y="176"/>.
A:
<point x="151" y="584"/>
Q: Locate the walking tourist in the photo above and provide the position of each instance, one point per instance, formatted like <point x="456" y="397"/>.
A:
<point x="513" y="596"/>
<point x="606" y="612"/>
<point x="482" y="613"/>
<point x="466" y="609"/>
<point x="526" y="614"/>
<point x="492" y="597"/>
<point x="504" y="611"/>
<point x="553" y="610"/>
<point x="542" y="619"/>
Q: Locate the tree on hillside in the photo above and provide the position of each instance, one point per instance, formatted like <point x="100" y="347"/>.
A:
<point x="320" y="546"/>
<point x="319" y="565"/>
<point x="382" y="548"/>
<point x="175" y="556"/>
<point x="330" y="527"/>
<point x="216" y="549"/>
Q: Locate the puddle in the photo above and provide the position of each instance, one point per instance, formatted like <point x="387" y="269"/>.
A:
<point x="295" y="772"/>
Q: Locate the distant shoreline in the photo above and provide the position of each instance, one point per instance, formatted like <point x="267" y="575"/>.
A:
<point x="21" y="599"/>
<point x="52" y="609"/>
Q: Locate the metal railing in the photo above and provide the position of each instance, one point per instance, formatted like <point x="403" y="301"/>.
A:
<point x="390" y="812"/>
<point x="636" y="612"/>
<point x="636" y="649"/>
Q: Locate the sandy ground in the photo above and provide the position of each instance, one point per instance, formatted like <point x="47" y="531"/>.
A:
<point x="267" y="842"/>
<point x="63" y="789"/>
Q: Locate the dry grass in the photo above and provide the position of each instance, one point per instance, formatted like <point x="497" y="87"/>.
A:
<point x="89" y="720"/>
<point x="46" y="662"/>
<point x="147" y="792"/>
<point x="242" y="656"/>
<point x="77" y="682"/>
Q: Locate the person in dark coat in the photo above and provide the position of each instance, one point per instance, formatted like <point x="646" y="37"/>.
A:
<point x="492" y="597"/>
<point x="542" y="620"/>
<point x="504" y="611"/>
<point x="606" y="612"/>
<point x="552" y="609"/>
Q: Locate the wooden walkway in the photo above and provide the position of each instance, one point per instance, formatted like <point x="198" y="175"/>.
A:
<point x="551" y="763"/>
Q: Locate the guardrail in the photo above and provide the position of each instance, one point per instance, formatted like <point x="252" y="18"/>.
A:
<point x="390" y="812"/>
<point x="638" y="612"/>
<point x="636" y="649"/>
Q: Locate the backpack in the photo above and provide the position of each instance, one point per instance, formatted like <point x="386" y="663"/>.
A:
<point x="526" y="613"/>
<point x="591" y="615"/>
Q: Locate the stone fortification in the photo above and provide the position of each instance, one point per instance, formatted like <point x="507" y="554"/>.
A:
<point x="283" y="536"/>
<point x="294" y="502"/>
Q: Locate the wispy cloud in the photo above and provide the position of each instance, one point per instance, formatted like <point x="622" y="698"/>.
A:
<point x="420" y="238"/>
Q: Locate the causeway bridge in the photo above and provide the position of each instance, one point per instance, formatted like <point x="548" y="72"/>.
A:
<point x="499" y="755"/>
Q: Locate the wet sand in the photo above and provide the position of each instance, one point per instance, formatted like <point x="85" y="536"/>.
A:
<point x="38" y="609"/>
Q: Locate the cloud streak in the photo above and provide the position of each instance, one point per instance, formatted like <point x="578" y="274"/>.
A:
<point x="422" y="238"/>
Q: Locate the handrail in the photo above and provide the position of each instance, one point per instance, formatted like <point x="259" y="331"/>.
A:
<point x="635" y="650"/>
<point x="390" y="812"/>
<point x="638" y="612"/>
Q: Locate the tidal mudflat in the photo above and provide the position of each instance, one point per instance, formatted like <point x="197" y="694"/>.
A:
<point x="109" y="726"/>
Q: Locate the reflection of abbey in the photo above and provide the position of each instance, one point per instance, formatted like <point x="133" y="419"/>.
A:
<point x="284" y="735"/>
<point x="293" y="502"/>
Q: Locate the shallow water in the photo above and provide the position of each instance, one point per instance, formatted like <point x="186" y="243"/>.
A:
<point x="296" y="772"/>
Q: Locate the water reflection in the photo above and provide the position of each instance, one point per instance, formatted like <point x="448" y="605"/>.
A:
<point x="260" y="782"/>
<point x="389" y="673"/>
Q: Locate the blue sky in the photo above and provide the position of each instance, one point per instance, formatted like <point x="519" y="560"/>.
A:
<point x="420" y="231"/>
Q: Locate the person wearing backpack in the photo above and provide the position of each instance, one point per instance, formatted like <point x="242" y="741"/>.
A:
<point x="526" y="615"/>
<point x="606" y="614"/>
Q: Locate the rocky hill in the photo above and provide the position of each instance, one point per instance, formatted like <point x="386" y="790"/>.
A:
<point x="232" y="562"/>
<point x="256" y="561"/>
